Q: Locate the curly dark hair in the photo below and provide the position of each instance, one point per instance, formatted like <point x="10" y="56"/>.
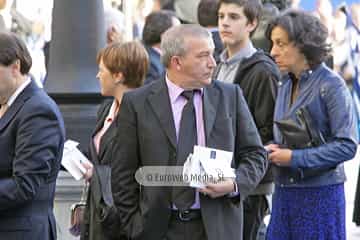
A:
<point x="306" y="32"/>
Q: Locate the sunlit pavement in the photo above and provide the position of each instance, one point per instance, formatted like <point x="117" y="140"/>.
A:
<point x="352" y="171"/>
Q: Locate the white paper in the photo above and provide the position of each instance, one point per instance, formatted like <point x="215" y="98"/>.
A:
<point x="207" y="165"/>
<point x="72" y="159"/>
<point x="192" y="169"/>
<point x="215" y="162"/>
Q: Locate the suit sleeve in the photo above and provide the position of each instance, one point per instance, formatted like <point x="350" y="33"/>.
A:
<point x="124" y="164"/>
<point x="250" y="155"/>
<point x="39" y="142"/>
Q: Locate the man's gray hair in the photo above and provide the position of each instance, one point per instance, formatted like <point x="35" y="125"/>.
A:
<point x="114" y="18"/>
<point x="173" y="41"/>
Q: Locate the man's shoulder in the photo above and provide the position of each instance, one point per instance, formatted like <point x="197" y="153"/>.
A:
<point x="262" y="59"/>
<point x="141" y="93"/>
<point x="40" y="102"/>
<point x="227" y="88"/>
<point x="260" y="63"/>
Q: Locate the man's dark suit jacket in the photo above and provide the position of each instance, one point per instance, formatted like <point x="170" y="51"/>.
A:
<point x="146" y="137"/>
<point x="31" y="143"/>
<point x="156" y="69"/>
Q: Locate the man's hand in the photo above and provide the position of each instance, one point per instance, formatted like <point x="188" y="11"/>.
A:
<point x="219" y="189"/>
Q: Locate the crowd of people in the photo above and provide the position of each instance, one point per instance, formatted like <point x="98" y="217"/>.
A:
<point x="275" y="85"/>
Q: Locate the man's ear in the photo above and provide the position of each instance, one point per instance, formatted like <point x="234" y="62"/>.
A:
<point x="176" y="62"/>
<point x="251" y="26"/>
<point x="16" y="65"/>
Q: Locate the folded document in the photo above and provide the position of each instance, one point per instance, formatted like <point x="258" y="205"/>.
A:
<point x="73" y="158"/>
<point x="207" y="165"/>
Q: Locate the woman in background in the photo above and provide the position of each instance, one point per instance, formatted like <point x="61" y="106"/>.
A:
<point x="122" y="68"/>
<point x="309" y="201"/>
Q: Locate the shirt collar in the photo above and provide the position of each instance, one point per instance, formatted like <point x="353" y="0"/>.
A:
<point x="156" y="49"/>
<point x="306" y="74"/>
<point x="213" y="29"/>
<point x="175" y="91"/>
<point x="245" y="52"/>
<point x="113" y="110"/>
<point x="17" y="92"/>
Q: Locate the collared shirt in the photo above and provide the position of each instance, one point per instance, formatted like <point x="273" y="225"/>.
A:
<point x="19" y="90"/>
<point x="177" y="104"/>
<point x="13" y="97"/>
<point x="107" y="123"/>
<point x="228" y="66"/>
<point x="158" y="50"/>
<point x="213" y="29"/>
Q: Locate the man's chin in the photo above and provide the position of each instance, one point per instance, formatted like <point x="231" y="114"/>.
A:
<point x="206" y="82"/>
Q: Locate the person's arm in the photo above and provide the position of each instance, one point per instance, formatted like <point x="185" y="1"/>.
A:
<point x="343" y="126"/>
<point x="124" y="164"/>
<point x="262" y="101"/>
<point x="250" y="156"/>
<point x="39" y="139"/>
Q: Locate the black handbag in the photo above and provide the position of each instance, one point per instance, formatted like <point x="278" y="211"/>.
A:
<point x="299" y="135"/>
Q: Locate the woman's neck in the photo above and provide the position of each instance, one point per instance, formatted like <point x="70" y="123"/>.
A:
<point x="300" y="68"/>
<point x="120" y="93"/>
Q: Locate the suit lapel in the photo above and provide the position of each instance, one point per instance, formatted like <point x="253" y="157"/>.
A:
<point x="210" y="103"/>
<point x="106" y="139"/>
<point x="93" y="153"/>
<point x="19" y="102"/>
<point x="160" y="103"/>
<point x="101" y="119"/>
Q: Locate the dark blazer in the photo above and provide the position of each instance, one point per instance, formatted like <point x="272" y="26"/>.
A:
<point x="156" y="68"/>
<point x="146" y="137"/>
<point x="96" y="227"/>
<point x="31" y="144"/>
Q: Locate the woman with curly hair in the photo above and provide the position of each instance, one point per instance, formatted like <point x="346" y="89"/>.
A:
<point x="314" y="133"/>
